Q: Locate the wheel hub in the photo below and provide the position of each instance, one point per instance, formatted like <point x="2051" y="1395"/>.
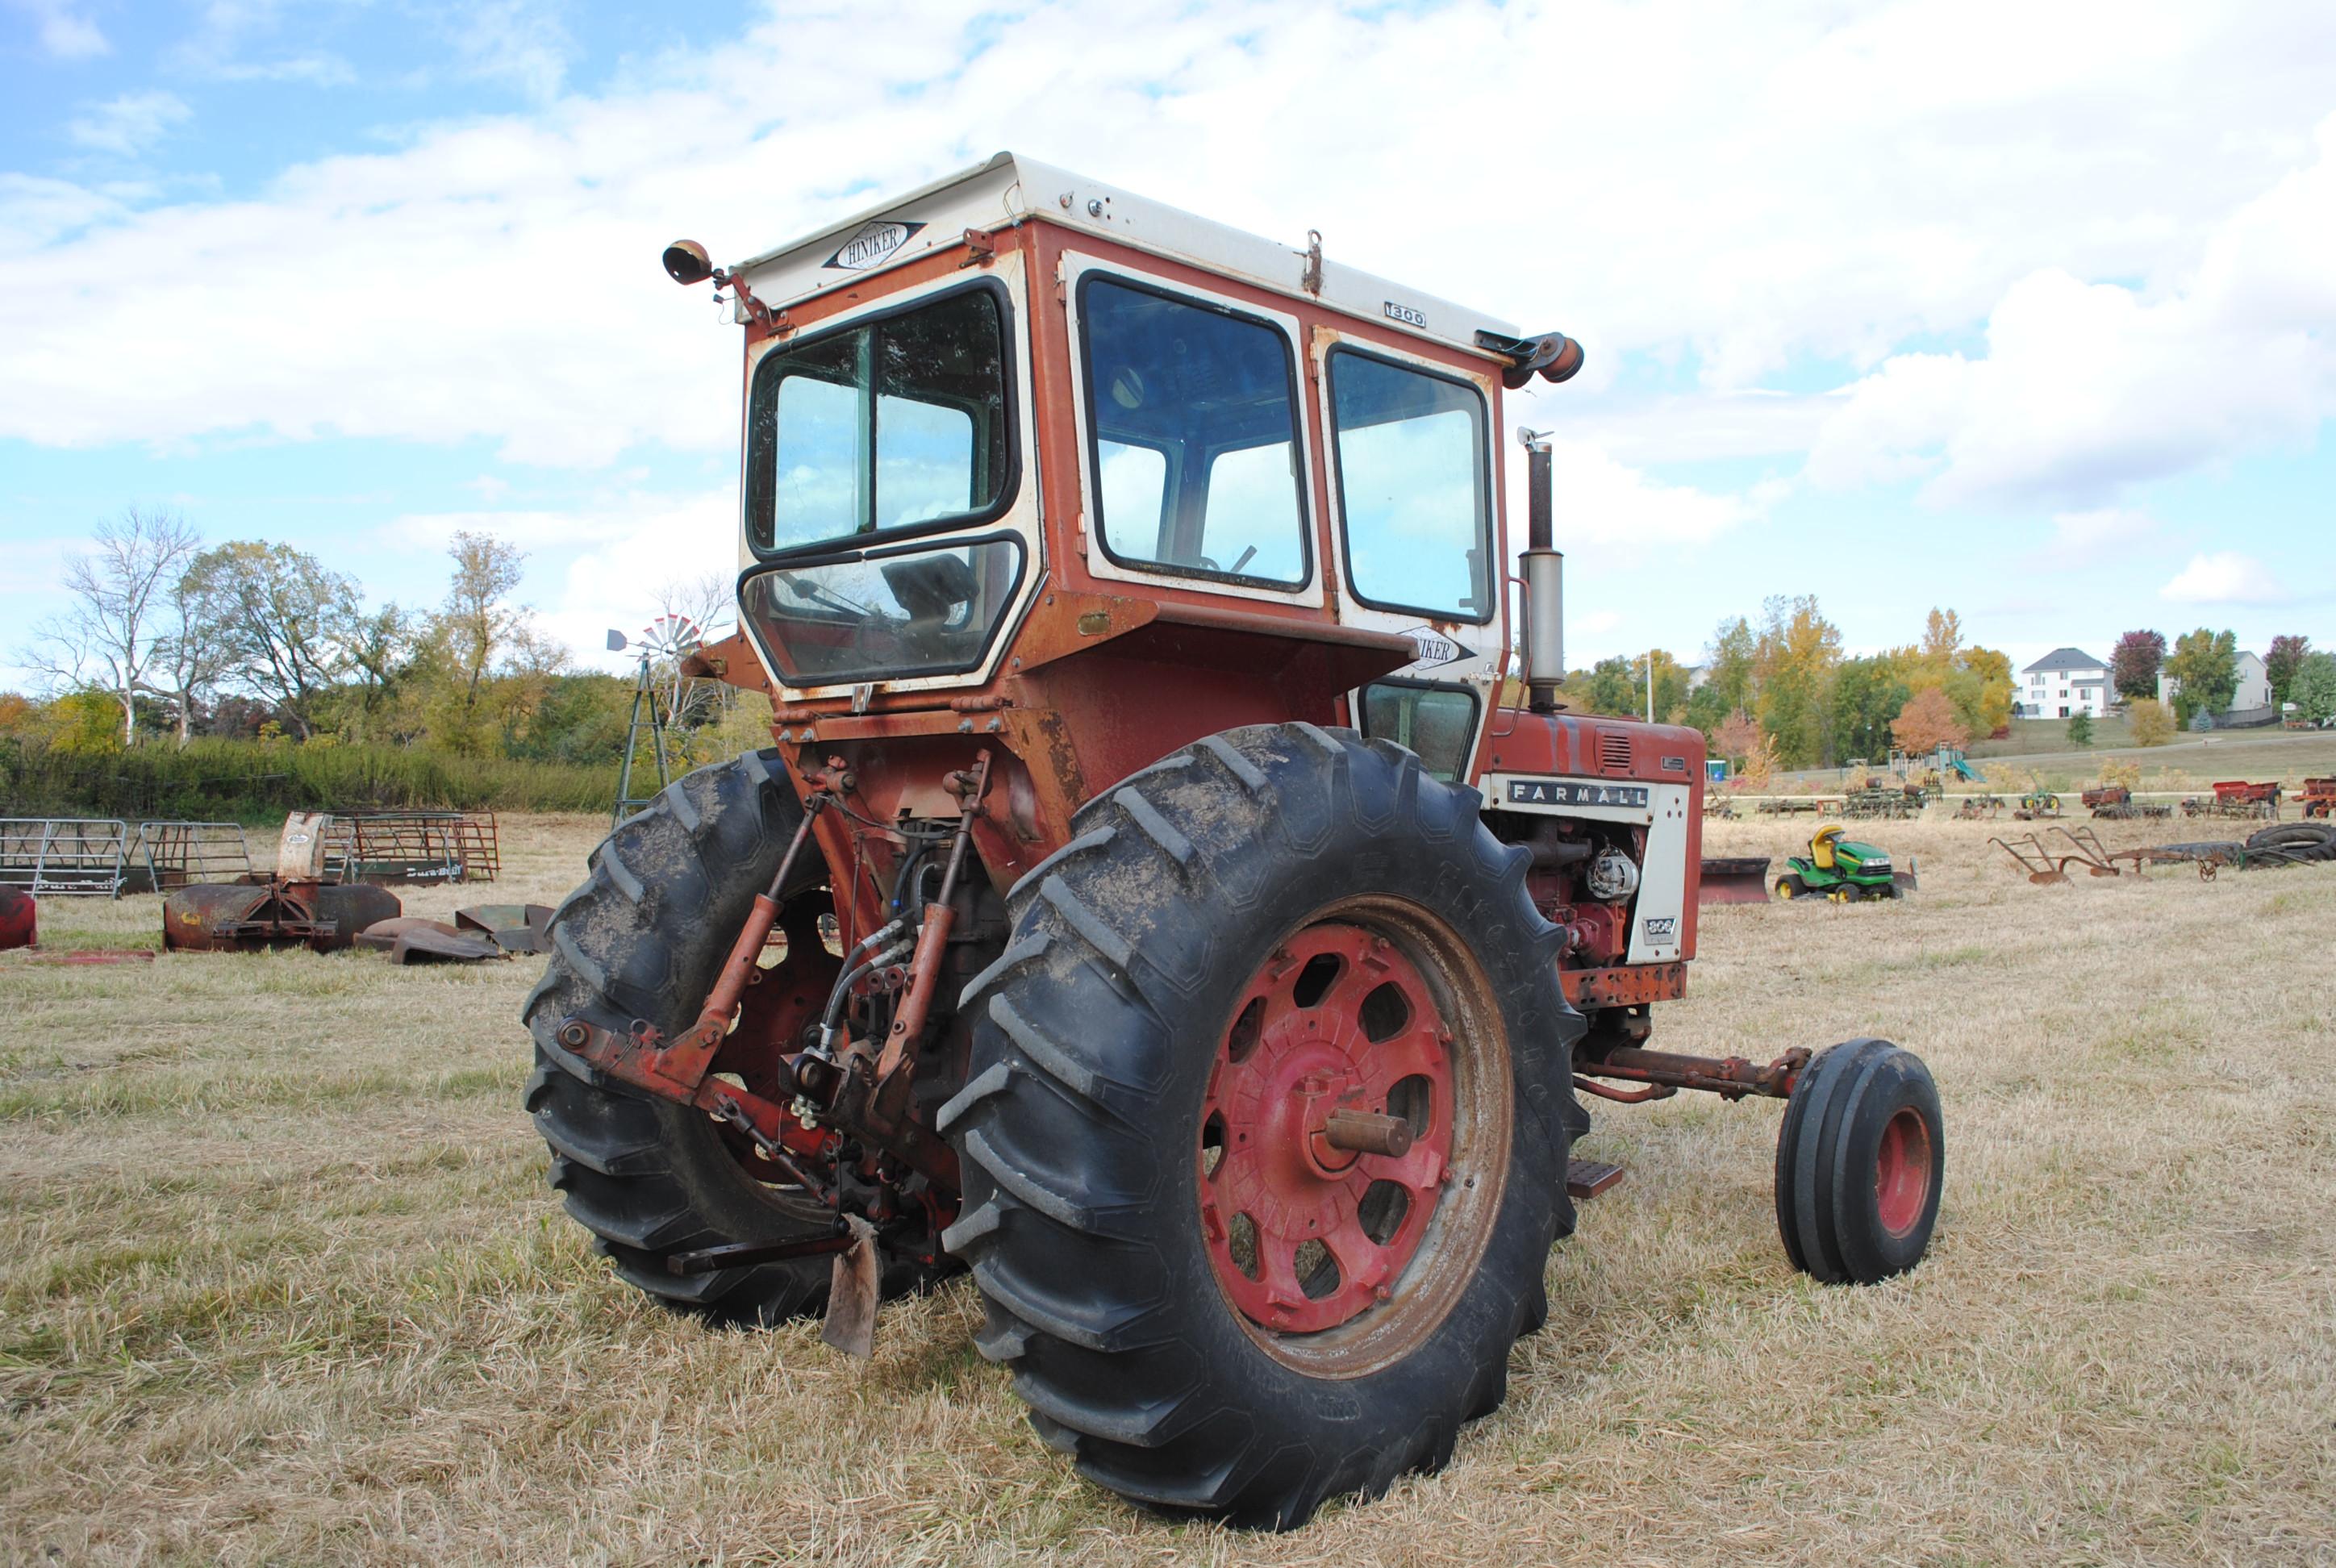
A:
<point x="1326" y="1130"/>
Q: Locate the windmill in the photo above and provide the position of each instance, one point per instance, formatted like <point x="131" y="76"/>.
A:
<point x="664" y="641"/>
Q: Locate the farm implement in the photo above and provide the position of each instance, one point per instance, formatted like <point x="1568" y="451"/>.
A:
<point x="2288" y="844"/>
<point x="2236" y="798"/>
<point x="2115" y="803"/>
<point x="1146" y="902"/>
<point x="2319" y="798"/>
<point x="1886" y="800"/>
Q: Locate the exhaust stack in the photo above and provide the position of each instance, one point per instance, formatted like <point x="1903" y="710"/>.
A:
<point x="1544" y="575"/>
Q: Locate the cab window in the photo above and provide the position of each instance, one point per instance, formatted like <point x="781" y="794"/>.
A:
<point x="1413" y="495"/>
<point x="1193" y="411"/>
<point x="1437" y="722"/>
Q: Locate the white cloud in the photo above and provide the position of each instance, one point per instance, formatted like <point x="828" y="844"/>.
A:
<point x="2225" y="577"/>
<point x="128" y="125"/>
<point x="2083" y="539"/>
<point x="618" y="554"/>
<point x="2088" y="389"/>
<point x="65" y="32"/>
<point x="1610" y="515"/>
<point x="1750" y="189"/>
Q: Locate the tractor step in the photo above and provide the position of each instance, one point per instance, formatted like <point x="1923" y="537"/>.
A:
<point x="1588" y="1178"/>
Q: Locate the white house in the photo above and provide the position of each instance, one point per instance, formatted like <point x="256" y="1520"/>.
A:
<point x="2064" y="683"/>
<point x="2252" y="691"/>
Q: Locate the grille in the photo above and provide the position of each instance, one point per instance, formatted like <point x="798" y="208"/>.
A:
<point x="1613" y="751"/>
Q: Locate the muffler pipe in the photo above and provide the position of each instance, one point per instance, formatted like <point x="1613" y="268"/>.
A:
<point x="1544" y="573"/>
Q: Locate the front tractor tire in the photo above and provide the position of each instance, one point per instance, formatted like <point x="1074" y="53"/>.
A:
<point x="1210" y="1294"/>
<point x="1860" y="1160"/>
<point x="642" y="938"/>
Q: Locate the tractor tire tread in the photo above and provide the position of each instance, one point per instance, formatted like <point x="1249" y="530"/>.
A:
<point x="1062" y="1184"/>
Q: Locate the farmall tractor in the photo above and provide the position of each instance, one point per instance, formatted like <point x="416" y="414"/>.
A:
<point x="1148" y="902"/>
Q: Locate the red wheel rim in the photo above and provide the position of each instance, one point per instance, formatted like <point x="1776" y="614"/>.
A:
<point x="1306" y="1236"/>
<point x="1902" y="1172"/>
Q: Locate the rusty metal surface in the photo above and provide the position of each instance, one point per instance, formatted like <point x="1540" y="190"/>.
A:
<point x="1585" y="1179"/>
<point x="19" y="921"/>
<point x="426" y="946"/>
<point x="243" y="916"/>
<point x="1733" y="880"/>
<point x="851" y="1291"/>
<point x="1731" y="1077"/>
<point x="383" y="935"/>
<point x="1624" y="985"/>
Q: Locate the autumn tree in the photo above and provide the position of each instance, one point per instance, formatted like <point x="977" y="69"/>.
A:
<point x="1728" y="666"/>
<point x="2151" y="721"/>
<point x="2134" y="663"/>
<point x="2284" y="657"/>
<point x="1929" y="721"/>
<point x="1670" y="694"/>
<point x="2206" y="664"/>
<point x="113" y="636"/>
<point x="1735" y="737"/>
<point x="1794" y="660"/>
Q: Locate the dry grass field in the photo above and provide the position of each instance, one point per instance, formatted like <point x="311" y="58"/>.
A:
<point x="281" y="1281"/>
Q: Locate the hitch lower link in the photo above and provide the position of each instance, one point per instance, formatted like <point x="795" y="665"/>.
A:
<point x="861" y="1091"/>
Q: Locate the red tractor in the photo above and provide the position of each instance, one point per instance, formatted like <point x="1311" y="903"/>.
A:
<point x="1148" y="902"/>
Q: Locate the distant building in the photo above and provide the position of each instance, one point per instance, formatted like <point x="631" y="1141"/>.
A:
<point x="2064" y="683"/>
<point x="2250" y="696"/>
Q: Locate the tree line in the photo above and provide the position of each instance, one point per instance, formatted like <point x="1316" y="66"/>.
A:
<point x="167" y="638"/>
<point x="2203" y="667"/>
<point x="1781" y="688"/>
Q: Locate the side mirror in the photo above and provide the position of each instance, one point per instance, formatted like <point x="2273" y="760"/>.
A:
<point x="686" y="262"/>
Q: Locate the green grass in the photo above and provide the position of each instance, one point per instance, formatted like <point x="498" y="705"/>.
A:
<point x="259" y="781"/>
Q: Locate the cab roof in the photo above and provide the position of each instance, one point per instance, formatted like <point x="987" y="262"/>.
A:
<point x="1009" y="190"/>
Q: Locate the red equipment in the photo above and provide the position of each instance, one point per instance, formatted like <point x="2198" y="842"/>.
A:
<point x="20" y="923"/>
<point x="1149" y="901"/>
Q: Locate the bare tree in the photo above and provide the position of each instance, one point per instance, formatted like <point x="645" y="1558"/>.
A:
<point x="477" y="623"/>
<point x="114" y="635"/>
<point x="191" y="656"/>
<point x="377" y="648"/>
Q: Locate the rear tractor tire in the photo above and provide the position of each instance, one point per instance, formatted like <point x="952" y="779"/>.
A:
<point x="1860" y="1160"/>
<point x="1266" y="1130"/>
<point x="668" y="892"/>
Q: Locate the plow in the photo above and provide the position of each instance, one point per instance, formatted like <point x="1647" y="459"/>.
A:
<point x="1148" y="903"/>
<point x="2289" y="844"/>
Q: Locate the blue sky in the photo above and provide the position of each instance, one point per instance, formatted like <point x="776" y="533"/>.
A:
<point x="2024" y="309"/>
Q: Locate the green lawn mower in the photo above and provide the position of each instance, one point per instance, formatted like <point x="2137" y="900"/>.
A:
<point x="1844" y="871"/>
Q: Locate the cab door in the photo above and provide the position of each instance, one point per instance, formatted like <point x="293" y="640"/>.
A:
<point x="1413" y="474"/>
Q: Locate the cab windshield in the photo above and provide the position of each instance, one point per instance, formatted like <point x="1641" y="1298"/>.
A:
<point x="885" y="426"/>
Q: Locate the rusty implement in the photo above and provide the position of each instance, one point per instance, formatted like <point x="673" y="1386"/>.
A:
<point x="1733" y="880"/>
<point x="436" y="947"/>
<point x="245" y="917"/>
<point x="851" y="1325"/>
<point x="19" y="921"/>
<point x="2032" y="858"/>
<point x="513" y="927"/>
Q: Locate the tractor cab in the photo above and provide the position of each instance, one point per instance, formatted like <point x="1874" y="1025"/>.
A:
<point x="1021" y="419"/>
